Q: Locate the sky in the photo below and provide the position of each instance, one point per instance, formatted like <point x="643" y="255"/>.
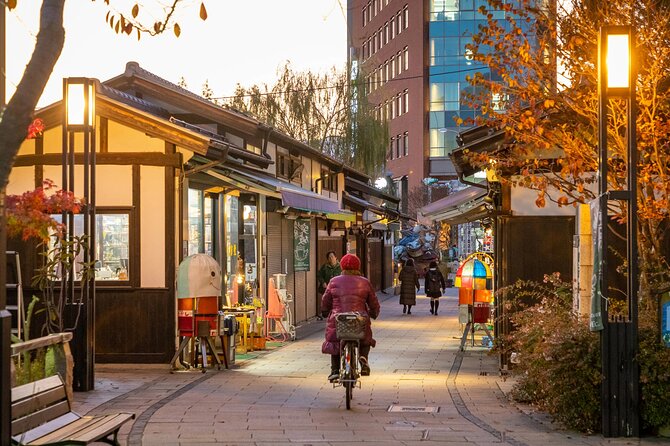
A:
<point x="242" y="41"/>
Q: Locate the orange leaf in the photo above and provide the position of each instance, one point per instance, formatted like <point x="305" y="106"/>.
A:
<point x="136" y="10"/>
<point x="11" y="4"/>
<point x="203" y="11"/>
<point x="177" y="29"/>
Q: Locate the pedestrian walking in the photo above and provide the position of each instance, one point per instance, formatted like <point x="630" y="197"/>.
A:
<point x="327" y="271"/>
<point x="434" y="286"/>
<point x="409" y="280"/>
<point x="349" y="292"/>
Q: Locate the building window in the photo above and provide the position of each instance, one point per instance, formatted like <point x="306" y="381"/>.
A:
<point x="386" y="33"/>
<point x="112" y="245"/>
<point x="398" y="22"/>
<point x="391" y="151"/>
<point x="253" y="149"/>
<point x="199" y="223"/>
<point x="328" y="180"/>
<point x="405" y="53"/>
<point x="365" y="16"/>
<point x="405" y="101"/>
<point x="405" y="15"/>
<point x="287" y="164"/>
<point x="397" y="146"/>
<point x="392" y="28"/>
<point x="405" y="143"/>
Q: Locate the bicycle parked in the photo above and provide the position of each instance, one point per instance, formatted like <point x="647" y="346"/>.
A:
<point x="350" y="330"/>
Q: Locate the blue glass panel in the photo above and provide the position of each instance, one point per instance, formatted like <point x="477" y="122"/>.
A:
<point x="466" y="5"/>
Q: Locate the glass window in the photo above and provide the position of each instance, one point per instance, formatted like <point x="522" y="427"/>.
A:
<point x="405" y="143"/>
<point x="195" y="222"/>
<point x="391" y="148"/>
<point x="397" y="146"/>
<point x="208" y="228"/>
<point x="112" y="244"/>
<point x="405" y="13"/>
<point x="406" y="57"/>
<point x="405" y="101"/>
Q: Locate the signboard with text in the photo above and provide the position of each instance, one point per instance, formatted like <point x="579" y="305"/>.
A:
<point x="301" y="241"/>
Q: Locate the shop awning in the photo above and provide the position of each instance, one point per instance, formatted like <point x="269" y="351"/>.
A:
<point x="290" y="194"/>
<point x="307" y="201"/>
<point x="459" y="207"/>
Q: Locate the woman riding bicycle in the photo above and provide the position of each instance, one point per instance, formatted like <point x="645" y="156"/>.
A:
<point x="349" y="292"/>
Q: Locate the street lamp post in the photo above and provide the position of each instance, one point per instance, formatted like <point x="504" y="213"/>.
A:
<point x="79" y="117"/>
<point x="619" y="338"/>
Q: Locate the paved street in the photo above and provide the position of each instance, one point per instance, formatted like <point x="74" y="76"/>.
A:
<point x="283" y="397"/>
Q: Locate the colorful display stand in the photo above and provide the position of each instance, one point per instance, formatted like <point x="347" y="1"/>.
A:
<point x="474" y="279"/>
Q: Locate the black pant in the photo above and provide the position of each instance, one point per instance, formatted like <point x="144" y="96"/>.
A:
<point x="364" y="351"/>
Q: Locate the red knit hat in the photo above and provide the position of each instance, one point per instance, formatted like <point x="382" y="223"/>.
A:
<point x="350" y="262"/>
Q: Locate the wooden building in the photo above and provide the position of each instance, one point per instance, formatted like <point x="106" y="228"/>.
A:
<point x="177" y="175"/>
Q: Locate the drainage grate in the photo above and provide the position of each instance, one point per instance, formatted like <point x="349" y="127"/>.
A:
<point x="414" y="409"/>
<point x="415" y="371"/>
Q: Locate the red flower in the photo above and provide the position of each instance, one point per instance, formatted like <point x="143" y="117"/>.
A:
<point x="35" y="129"/>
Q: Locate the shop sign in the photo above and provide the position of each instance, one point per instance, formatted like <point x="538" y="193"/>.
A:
<point x="301" y="239"/>
<point x="596" y="319"/>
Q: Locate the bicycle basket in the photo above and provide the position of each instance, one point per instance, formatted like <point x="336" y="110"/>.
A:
<point x="350" y="326"/>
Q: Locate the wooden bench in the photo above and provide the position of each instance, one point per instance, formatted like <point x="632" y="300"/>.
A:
<point x="41" y="415"/>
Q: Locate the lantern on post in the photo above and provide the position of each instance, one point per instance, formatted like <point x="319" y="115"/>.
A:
<point x="79" y="118"/>
<point x="619" y="338"/>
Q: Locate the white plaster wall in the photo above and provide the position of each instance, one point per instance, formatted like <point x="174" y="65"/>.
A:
<point x="21" y="179"/>
<point x="126" y="139"/>
<point x="27" y="147"/>
<point x="523" y="203"/>
<point x="152" y="230"/>
<point x="55" y="173"/>
<point x="114" y="185"/>
<point x="53" y="140"/>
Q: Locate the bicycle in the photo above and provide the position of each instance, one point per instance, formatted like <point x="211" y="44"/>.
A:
<point x="350" y="329"/>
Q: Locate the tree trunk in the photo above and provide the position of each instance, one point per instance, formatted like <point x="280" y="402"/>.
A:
<point x="18" y="114"/>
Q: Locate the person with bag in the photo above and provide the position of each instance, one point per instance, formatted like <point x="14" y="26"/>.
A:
<point x="349" y="292"/>
<point x="409" y="279"/>
<point x="434" y="286"/>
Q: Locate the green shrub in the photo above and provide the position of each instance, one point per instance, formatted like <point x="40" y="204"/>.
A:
<point x="559" y="359"/>
<point x="654" y="361"/>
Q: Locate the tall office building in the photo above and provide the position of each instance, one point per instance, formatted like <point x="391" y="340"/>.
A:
<point x="412" y="56"/>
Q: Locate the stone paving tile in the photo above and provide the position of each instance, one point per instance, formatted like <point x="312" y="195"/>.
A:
<point x="283" y="398"/>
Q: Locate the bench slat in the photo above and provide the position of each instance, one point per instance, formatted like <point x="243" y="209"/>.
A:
<point x="93" y="429"/>
<point x="24" y="391"/>
<point x="38" y="401"/>
<point x="40" y="431"/>
<point x="38" y="418"/>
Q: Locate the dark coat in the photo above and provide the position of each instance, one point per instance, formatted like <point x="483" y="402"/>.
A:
<point x="327" y="272"/>
<point x="437" y="275"/>
<point x="347" y="293"/>
<point x="409" y="285"/>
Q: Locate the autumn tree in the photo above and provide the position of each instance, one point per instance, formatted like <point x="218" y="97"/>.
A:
<point x="324" y="110"/>
<point x="542" y="91"/>
<point x="16" y="117"/>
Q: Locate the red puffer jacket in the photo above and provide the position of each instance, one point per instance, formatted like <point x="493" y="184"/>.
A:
<point x="347" y="293"/>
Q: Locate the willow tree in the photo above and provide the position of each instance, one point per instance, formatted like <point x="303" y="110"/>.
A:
<point x="544" y="65"/>
<point x="324" y="110"/>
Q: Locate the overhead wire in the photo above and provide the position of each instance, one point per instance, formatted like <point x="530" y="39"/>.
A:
<point x="358" y="84"/>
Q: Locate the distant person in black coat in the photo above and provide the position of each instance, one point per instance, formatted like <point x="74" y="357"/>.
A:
<point x="434" y="286"/>
<point x="409" y="279"/>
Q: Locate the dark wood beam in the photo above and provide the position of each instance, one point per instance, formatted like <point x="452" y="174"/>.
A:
<point x="109" y="158"/>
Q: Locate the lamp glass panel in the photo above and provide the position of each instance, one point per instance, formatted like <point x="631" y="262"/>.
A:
<point x="76" y="104"/>
<point x="618" y="61"/>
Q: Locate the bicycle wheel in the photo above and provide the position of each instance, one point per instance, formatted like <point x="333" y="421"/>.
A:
<point x="349" y="381"/>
